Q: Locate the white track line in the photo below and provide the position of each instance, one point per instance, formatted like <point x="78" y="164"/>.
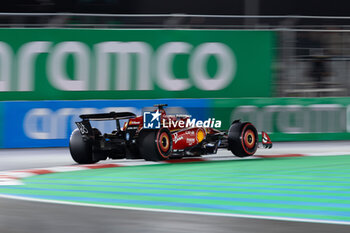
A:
<point x="178" y="211"/>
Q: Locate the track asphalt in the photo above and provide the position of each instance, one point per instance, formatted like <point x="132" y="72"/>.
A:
<point x="296" y="188"/>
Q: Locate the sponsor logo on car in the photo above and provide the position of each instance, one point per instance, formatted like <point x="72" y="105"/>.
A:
<point x="177" y="137"/>
<point x="190" y="132"/>
<point x="190" y="141"/>
<point x="133" y="122"/>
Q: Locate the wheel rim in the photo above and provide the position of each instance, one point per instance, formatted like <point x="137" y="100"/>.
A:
<point x="164" y="142"/>
<point x="249" y="139"/>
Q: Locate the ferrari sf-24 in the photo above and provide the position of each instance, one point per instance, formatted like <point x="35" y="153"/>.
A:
<point x="173" y="141"/>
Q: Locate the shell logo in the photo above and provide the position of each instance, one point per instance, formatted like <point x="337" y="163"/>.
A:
<point x="200" y="135"/>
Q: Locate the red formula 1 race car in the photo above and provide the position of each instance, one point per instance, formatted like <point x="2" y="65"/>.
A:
<point x="158" y="136"/>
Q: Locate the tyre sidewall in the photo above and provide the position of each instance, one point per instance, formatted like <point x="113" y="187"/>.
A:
<point x="80" y="150"/>
<point x="150" y="147"/>
<point x="236" y="135"/>
<point x="161" y="134"/>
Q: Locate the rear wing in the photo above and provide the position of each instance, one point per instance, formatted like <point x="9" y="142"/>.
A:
<point x="108" y="116"/>
<point x="85" y="128"/>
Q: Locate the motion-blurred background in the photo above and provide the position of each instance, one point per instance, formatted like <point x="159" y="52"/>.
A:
<point x="283" y="66"/>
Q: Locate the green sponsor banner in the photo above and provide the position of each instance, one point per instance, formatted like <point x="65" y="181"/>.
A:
<point x="289" y="119"/>
<point x="72" y="64"/>
<point x="2" y="120"/>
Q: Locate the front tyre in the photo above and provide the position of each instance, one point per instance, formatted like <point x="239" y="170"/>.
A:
<point x="242" y="139"/>
<point x="155" y="145"/>
<point x="80" y="150"/>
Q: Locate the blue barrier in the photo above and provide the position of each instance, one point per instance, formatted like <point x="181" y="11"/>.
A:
<point x="50" y="123"/>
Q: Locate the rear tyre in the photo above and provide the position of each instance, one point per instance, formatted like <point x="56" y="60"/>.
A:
<point x="242" y="139"/>
<point x="80" y="150"/>
<point x="155" y="145"/>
